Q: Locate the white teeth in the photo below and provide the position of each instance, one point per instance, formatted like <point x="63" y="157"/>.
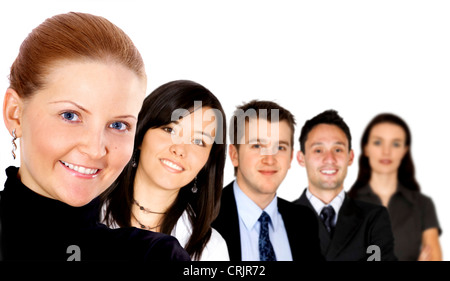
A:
<point x="172" y="165"/>
<point x="81" y="170"/>
<point x="329" y="172"/>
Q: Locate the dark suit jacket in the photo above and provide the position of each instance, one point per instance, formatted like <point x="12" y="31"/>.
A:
<point x="359" y="225"/>
<point x="301" y="227"/>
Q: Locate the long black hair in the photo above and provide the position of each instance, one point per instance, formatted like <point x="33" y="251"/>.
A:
<point x="406" y="170"/>
<point x="203" y="206"/>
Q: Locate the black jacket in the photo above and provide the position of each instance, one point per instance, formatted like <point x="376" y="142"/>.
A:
<point x="359" y="226"/>
<point x="300" y="222"/>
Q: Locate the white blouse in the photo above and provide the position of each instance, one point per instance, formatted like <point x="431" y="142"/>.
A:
<point x="215" y="250"/>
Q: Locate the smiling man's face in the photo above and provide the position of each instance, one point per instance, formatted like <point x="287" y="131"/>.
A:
<point x="264" y="158"/>
<point x="326" y="158"/>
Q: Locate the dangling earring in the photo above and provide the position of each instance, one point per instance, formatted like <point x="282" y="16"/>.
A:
<point x="194" y="188"/>
<point x="133" y="160"/>
<point x="14" y="144"/>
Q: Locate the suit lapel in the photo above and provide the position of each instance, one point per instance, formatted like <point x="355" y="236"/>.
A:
<point x="324" y="236"/>
<point x="346" y="227"/>
<point x="227" y="223"/>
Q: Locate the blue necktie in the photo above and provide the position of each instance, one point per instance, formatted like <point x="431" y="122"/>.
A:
<point x="327" y="216"/>
<point x="266" y="252"/>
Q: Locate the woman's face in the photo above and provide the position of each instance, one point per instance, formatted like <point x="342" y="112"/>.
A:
<point x="77" y="132"/>
<point x="386" y="148"/>
<point x="172" y="155"/>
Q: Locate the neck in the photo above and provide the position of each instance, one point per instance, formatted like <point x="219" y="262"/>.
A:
<point x="153" y="198"/>
<point x="383" y="184"/>
<point x="261" y="199"/>
<point x="325" y="195"/>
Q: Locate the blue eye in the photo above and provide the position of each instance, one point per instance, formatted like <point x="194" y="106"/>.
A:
<point x="120" y="126"/>
<point x="70" y="116"/>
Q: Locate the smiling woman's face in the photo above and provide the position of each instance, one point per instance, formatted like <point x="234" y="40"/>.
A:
<point x="172" y="155"/>
<point x="77" y="133"/>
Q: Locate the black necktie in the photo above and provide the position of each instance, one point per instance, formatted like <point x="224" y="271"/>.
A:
<point x="327" y="216"/>
<point x="266" y="252"/>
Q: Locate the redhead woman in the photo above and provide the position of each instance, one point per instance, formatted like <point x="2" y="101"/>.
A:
<point x="75" y="91"/>
<point x="174" y="181"/>
<point x="386" y="177"/>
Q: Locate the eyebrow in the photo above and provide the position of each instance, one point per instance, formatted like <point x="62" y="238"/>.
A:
<point x="321" y="143"/>
<point x="73" y="103"/>
<point x="255" y="140"/>
<point x="287" y="143"/>
<point x="396" y="139"/>
<point x="203" y="134"/>
<point x="87" y="111"/>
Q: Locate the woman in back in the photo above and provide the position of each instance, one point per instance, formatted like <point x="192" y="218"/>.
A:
<point x="386" y="177"/>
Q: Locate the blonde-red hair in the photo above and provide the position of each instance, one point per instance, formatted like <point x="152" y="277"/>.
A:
<point x="71" y="36"/>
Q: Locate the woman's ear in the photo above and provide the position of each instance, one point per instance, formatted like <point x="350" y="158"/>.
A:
<point x="12" y="111"/>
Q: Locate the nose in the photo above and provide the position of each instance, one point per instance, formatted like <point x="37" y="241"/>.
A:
<point x="386" y="149"/>
<point x="268" y="159"/>
<point x="178" y="150"/>
<point x="93" y="144"/>
<point x="329" y="157"/>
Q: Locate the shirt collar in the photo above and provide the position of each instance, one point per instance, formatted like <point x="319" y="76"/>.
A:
<point x="249" y="212"/>
<point x="407" y="193"/>
<point x="401" y="190"/>
<point x="318" y="205"/>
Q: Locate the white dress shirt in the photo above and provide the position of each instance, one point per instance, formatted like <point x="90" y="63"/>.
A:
<point x="249" y="226"/>
<point x="318" y="205"/>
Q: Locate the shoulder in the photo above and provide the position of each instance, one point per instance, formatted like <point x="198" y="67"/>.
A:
<point x="295" y="210"/>
<point x="227" y="191"/>
<point x="227" y="203"/>
<point x="422" y="200"/>
<point x="216" y="249"/>
<point x="362" y="208"/>
<point x="166" y="248"/>
<point x="302" y="200"/>
<point x="155" y="246"/>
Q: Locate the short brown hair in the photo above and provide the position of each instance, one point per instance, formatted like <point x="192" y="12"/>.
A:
<point x="241" y="116"/>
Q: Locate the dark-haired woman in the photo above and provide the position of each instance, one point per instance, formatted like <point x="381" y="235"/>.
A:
<point x="386" y="176"/>
<point x="174" y="181"/>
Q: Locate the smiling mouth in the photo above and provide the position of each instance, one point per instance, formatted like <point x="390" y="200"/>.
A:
<point x="172" y="165"/>
<point x="329" y="171"/>
<point x="267" y="172"/>
<point x="80" y="169"/>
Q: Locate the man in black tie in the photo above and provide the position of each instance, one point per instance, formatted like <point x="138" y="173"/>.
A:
<point x="347" y="227"/>
<point x="256" y="224"/>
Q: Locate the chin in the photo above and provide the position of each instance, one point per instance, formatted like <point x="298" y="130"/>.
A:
<point x="79" y="202"/>
<point x="78" y="198"/>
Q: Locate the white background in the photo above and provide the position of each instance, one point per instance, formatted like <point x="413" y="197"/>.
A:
<point x="358" y="57"/>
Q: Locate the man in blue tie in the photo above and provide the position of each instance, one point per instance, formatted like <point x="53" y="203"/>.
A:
<point x="347" y="228"/>
<point x="256" y="224"/>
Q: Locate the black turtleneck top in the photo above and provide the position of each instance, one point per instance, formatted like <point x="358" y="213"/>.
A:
<point x="34" y="227"/>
